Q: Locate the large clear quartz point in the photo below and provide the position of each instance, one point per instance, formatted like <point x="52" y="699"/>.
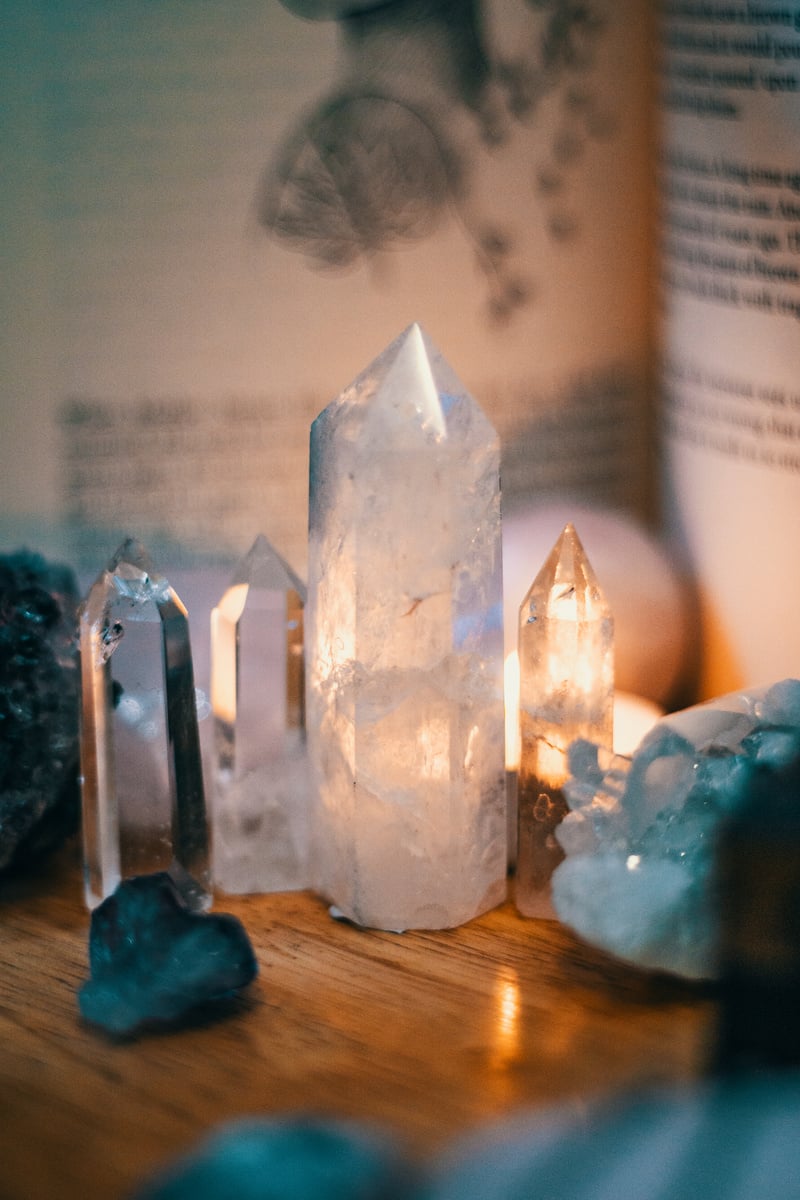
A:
<point x="566" y="664"/>
<point x="260" y="796"/>
<point x="405" y="647"/>
<point x="141" y="770"/>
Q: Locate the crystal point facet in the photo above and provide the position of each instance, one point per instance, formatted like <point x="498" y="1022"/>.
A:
<point x="260" y="799"/>
<point x="405" y="647"/>
<point x="141" y="771"/>
<point x="566" y="658"/>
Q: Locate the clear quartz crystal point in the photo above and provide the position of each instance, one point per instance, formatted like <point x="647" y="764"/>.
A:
<point x="405" y="647"/>
<point x="141" y="770"/>
<point x="566" y="661"/>
<point x="260" y="796"/>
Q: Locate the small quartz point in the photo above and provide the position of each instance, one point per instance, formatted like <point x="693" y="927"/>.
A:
<point x="260" y="797"/>
<point x="141" y="771"/>
<point x="405" y="647"/>
<point x="566" y="656"/>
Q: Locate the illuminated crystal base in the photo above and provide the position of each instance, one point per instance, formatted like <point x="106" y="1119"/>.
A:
<point x="405" y="708"/>
<point x="141" y="772"/>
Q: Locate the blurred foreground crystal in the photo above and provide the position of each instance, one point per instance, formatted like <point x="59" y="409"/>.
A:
<point x="405" y="662"/>
<point x="566" y="664"/>
<point x="643" y="834"/>
<point x="260" y="799"/>
<point x="141" y="773"/>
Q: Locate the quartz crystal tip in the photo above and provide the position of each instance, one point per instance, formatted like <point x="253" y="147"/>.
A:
<point x="566" y="587"/>
<point x="263" y="567"/>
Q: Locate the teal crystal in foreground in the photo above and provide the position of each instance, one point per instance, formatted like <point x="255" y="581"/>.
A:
<point x="260" y="783"/>
<point x="405" y="647"/>
<point x="141" y="772"/>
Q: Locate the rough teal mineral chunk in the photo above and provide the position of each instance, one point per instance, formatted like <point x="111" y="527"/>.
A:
<point x="153" y="962"/>
<point x="38" y="707"/>
<point x="288" y="1159"/>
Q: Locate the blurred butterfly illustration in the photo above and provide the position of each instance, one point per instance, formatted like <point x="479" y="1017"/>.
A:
<point x="390" y="151"/>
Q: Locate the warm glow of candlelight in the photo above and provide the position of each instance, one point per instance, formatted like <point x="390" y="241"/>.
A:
<point x="634" y="716"/>
<point x="511" y="687"/>
<point x="505" y="1029"/>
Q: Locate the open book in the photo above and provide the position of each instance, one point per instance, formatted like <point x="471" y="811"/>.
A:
<point x="216" y="217"/>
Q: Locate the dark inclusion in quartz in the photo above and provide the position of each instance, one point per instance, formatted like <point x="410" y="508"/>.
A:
<point x="154" y="962"/>
<point x="39" y="703"/>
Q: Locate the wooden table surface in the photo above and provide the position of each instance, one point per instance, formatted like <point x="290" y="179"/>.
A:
<point x="428" y="1033"/>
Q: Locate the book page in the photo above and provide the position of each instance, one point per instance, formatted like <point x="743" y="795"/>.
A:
<point x="218" y="214"/>
<point x="730" y="175"/>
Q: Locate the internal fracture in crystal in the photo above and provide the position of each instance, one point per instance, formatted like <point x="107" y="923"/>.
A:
<point x="141" y="771"/>
<point x="260" y="794"/>
<point x="566" y="659"/>
<point x="405" y="647"/>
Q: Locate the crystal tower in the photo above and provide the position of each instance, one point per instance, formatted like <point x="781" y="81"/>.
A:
<point x="566" y="662"/>
<point x="260" y="793"/>
<point x="405" y="647"/>
<point x="141" y="770"/>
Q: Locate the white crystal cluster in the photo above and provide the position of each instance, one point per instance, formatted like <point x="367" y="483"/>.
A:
<point x="405" y="645"/>
<point x="641" y="835"/>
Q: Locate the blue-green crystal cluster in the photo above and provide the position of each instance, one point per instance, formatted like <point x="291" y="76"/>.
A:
<point x="642" y="837"/>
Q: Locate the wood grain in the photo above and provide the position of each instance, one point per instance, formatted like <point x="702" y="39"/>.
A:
<point x="428" y="1033"/>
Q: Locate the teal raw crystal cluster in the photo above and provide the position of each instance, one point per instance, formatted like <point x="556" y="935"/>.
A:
<point x="643" y="834"/>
